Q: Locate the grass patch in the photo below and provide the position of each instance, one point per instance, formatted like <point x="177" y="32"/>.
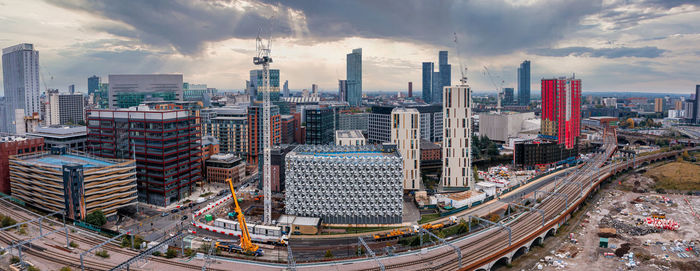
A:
<point x="428" y="217"/>
<point x="676" y="176"/>
<point x="206" y="194"/>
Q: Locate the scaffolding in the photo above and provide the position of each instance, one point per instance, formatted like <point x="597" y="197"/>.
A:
<point x="345" y="184"/>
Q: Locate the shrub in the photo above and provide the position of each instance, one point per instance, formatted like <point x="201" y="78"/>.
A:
<point x="66" y="268"/>
<point x="14" y="260"/>
<point x="7" y="221"/>
<point x="171" y="253"/>
<point x="73" y="244"/>
<point x="96" y="218"/>
<point x="32" y="268"/>
<point x="156" y="253"/>
<point x="102" y="253"/>
<point x="329" y="254"/>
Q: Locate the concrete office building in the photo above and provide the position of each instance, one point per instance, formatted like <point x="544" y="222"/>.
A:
<point x="20" y="73"/>
<point x="456" y="147"/>
<point x="348" y="120"/>
<point x="13" y="145"/>
<point x="73" y="182"/>
<point x="225" y="166"/>
<point x="524" y="83"/>
<point x="165" y="143"/>
<point x="127" y="90"/>
<point x="405" y="133"/>
<point x="431" y="123"/>
<point x="354" y="77"/>
<point x="345" y="184"/>
<point x="501" y="127"/>
<point x="74" y="138"/>
<point x="349" y="138"/>
<point x="65" y="108"/>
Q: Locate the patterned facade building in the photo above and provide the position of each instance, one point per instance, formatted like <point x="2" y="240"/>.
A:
<point x="345" y="184"/>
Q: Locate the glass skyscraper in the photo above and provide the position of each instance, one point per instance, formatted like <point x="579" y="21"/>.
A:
<point x="524" y="83"/>
<point x="20" y="73"/>
<point x="445" y="75"/>
<point x="256" y="81"/>
<point x="93" y="84"/>
<point x="428" y="68"/>
<point x="354" y="77"/>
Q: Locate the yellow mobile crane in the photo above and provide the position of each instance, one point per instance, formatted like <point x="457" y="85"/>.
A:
<point x="246" y="246"/>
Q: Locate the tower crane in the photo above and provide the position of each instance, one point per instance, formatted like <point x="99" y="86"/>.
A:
<point x="499" y="88"/>
<point x="246" y="245"/>
<point x="263" y="58"/>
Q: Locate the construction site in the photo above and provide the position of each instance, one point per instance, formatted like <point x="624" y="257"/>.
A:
<point x="629" y="225"/>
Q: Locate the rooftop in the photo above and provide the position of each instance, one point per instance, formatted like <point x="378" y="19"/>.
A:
<point x="13" y="138"/>
<point x="427" y="145"/>
<point x="209" y="140"/>
<point x="228" y="157"/>
<point x="57" y="161"/>
<point x="60" y="131"/>
<point x="298" y="220"/>
<point x="350" y="134"/>
<point x="343" y="151"/>
<point x="463" y="195"/>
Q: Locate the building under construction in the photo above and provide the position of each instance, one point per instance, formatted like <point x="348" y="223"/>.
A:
<point x="345" y="184"/>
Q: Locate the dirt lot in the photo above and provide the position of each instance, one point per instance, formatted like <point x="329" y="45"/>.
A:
<point x="626" y="212"/>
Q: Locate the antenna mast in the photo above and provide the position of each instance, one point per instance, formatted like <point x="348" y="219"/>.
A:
<point x="263" y="58"/>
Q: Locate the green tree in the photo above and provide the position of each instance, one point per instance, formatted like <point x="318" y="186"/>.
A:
<point x="96" y="218"/>
<point x="171" y="253"/>
<point x="329" y="254"/>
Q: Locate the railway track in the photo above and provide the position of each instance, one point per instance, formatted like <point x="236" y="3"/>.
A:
<point x="8" y="238"/>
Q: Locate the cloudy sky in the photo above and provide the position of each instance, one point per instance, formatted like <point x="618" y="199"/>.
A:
<point x="612" y="45"/>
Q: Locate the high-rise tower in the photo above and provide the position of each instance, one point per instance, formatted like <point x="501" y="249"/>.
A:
<point x="354" y="77"/>
<point x="456" y="147"/>
<point x="561" y="110"/>
<point x="428" y="68"/>
<point x="20" y="73"/>
<point x="524" y="83"/>
<point x="405" y="133"/>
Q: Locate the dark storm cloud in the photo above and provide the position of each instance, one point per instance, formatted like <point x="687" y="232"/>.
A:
<point x="486" y="27"/>
<point x="490" y="27"/>
<point x="642" y="52"/>
<point x="186" y="25"/>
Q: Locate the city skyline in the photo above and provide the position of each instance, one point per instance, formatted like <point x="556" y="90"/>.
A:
<point x="617" y="46"/>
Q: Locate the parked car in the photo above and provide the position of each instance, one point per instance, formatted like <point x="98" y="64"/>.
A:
<point x="184" y="217"/>
<point x="164" y="214"/>
<point x="175" y="211"/>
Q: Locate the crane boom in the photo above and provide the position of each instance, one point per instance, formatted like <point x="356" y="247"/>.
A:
<point x="246" y="244"/>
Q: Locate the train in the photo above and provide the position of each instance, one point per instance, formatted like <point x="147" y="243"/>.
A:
<point x="258" y="233"/>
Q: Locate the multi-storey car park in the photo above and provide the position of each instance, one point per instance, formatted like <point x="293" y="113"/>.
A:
<point x="73" y="182"/>
<point x="345" y="184"/>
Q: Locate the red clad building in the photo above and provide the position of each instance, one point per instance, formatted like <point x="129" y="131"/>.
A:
<point x="255" y="134"/>
<point x="13" y="145"/>
<point x="561" y="110"/>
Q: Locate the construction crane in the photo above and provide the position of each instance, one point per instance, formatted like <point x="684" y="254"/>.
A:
<point x="263" y="58"/>
<point x="246" y="245"/>
<point x="499" y="88"/>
